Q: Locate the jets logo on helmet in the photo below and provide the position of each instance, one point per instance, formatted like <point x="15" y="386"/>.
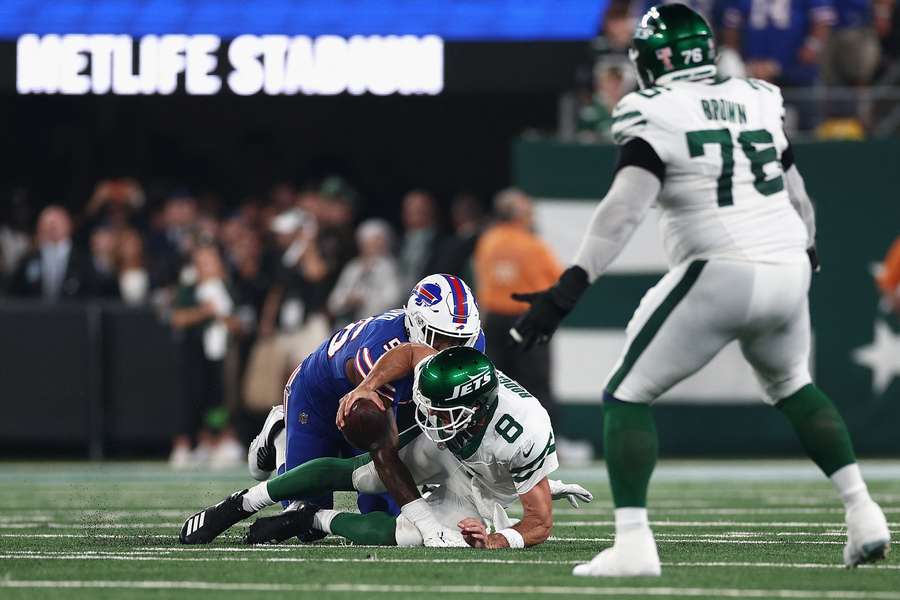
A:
<point x="455" y="393"/>
<point x="475" y="382"/>
<point x="442" y="305"/>
<point x="427" y="294"/>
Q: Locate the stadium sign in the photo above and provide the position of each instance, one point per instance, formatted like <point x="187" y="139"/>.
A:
<point x="79" y="64"/>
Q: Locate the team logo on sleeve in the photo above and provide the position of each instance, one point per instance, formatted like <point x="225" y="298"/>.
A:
<point x="427" y="294"/>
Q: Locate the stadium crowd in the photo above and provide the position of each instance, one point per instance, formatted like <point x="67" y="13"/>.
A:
<point x="826" y="52"/>
<point x="251" y="289"/>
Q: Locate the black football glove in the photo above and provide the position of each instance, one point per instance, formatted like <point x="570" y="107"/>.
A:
<point x="548" y="308"/>
<point x="813" y="258"/>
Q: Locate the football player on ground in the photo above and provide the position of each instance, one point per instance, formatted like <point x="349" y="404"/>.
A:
<point x="482" y="437"/>
<point x="441" y="312"/>
<point x="739" y="231"/>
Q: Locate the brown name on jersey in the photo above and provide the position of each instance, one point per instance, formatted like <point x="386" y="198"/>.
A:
<point x="724" y="110"/>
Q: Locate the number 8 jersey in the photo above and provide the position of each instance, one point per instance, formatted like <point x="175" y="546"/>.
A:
<point x="516" y="450"/>
<point x="721" y="142"/>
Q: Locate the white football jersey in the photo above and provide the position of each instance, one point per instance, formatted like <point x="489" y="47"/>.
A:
<point x="518" y="448"/>
<point x="721" y="141"/>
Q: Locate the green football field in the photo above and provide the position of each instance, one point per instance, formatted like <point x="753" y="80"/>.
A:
<point x="726" y="529"/>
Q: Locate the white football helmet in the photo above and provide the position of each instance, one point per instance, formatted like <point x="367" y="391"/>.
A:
<point x="442" y="305"/>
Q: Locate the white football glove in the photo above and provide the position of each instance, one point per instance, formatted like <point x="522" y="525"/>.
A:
<point x="570" y="491"/>
<point x="443" y="538"/>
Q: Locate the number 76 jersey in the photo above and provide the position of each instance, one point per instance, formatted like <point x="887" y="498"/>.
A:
<point x="721" y="141"/>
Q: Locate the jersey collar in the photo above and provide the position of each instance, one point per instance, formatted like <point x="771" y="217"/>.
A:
<point x="693" y="74"/>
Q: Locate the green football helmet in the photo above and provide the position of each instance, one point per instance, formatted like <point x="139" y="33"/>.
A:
<point x="672" y="39"/>
<point x="455" y="390"/>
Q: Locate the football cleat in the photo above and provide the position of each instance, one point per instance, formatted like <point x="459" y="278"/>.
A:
<point x="261" y="455"/>
<point x="632" y="555"/>
<point x="868" y="536"/>
<point x="290" y="523"/>
<point x="206" y="525"/>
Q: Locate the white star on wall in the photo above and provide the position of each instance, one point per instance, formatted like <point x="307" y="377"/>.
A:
<point x="882" y="356"/>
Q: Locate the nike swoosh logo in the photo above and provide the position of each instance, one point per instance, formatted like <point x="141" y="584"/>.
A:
<point x="527" y="454"/>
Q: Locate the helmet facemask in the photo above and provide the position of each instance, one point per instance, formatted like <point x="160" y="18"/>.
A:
<point x="441" y="424"/>
<point x="422" y="332"/>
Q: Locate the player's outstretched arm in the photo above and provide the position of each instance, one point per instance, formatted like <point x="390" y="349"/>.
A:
<point x="534" y="528"/>
<point x="396" y="363"/>
<point x="633" y="191"/>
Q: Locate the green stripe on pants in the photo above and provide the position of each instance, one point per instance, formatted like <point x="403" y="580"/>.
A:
<point x="654" y="323"/>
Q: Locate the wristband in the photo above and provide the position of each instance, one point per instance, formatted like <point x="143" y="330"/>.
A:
<point x="514" y="538"/>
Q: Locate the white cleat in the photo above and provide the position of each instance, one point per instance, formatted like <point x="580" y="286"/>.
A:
<point x="261" y="455"/>
<point x="632" y="555"/>
<point x="868" y="536"/>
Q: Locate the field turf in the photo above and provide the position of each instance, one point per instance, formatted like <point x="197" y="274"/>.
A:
<point x="728" y="529"/>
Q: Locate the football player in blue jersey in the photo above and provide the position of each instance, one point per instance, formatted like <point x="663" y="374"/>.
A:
<point x="440" y="312"/>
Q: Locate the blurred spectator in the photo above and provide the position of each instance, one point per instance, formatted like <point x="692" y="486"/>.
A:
<point x="888" y="279"/>
<point x="103" y="260"/>
<point x="170" y="245"/>
<point x="422" y="240"/>
<point x="369" y="284"/>
<point x="510" y="258"/>
<point x="852" y="55"/>
<point x="115" y="204"/>
<point x="853" y="52"/>
<point x="56" y="270"/>
<point x="15" y="240"/>
<point x="294" y="307"/>
<point x="613" y="74"/>
<point x="203" y="314"/>
<point x="468" y="220"/>
<point x="131" y="270"/>
<point x="887" y="26"/>
<point x="782" y="41"/>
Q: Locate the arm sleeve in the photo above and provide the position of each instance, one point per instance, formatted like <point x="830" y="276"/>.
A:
<point x="528" y="471"/>
<point x="800" y="200"/>
<point x="633" y="191"/>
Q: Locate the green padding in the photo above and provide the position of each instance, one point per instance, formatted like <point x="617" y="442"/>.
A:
<point x="319" y="476"/>
<point x="373" y="529"/>
<point x="631" y="445"/>
<point x="819" y="427"/>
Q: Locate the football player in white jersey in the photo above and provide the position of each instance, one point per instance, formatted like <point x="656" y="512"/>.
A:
<point x="481" y="436"/>
<point x="739" y="231"/>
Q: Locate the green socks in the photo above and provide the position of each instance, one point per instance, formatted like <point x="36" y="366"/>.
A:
<point x="319" y="476"/>
<point x="372" y="529"/>
<point x="630" y="447"/>
<point x="820" y="427"/>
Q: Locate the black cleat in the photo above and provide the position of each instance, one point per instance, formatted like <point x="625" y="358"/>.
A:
<point x="289" y="523"/>
<point x="206" y="525"/>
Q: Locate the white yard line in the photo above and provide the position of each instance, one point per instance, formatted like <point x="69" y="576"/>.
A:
<point x="66" y="516"/>
<point x="161" y="556"/>
<point x="87" y="524"/>
<point x="694" y="592"/>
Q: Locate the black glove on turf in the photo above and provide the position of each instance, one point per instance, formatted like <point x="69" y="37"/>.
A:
<point x="548" y="308"/>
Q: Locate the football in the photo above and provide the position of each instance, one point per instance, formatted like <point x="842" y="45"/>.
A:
<point x="365" y="426"/>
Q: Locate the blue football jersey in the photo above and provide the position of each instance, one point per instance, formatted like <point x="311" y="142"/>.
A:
<point x="362" y="343"/>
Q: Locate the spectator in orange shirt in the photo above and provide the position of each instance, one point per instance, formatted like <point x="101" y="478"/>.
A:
<point x="888" y="278"/>
<point x="510" y="258"/>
